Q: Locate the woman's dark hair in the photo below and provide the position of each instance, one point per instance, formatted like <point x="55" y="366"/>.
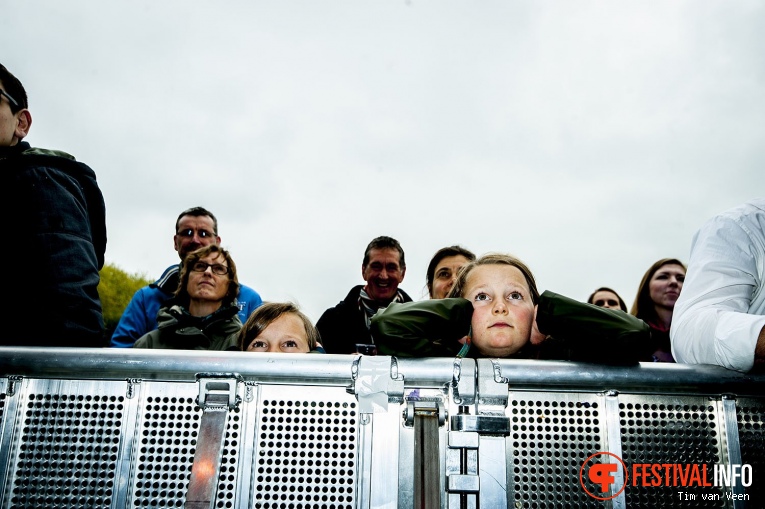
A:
<point x="182" y="293"/>
<point x="643" y="307"/>
<point x="268" y="313"/>
<point x="622" y="304"/>
<point x="442" y="253"/>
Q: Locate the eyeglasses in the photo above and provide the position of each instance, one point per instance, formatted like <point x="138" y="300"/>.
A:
<point x="188" y="232"/>
<point x="217" y="268"/>
<point x="11" y="100"/>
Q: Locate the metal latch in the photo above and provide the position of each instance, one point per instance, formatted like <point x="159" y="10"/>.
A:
<point x="491" y="403"/>
<point x="483" y="424"/>
<point x="218" y="390"/>
<point x="217" y="397"/>
<point x="424" y="407"/>
<point x="462" y="465"/>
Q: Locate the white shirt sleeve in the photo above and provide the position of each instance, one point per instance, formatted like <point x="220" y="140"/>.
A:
<point x="719" y="314"/>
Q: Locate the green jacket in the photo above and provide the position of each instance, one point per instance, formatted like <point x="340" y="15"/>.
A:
<point x="577" y="331"/>
<point x="178" y="330"/>
<point x="587" y="333"/>
<point x="428" y="328"/>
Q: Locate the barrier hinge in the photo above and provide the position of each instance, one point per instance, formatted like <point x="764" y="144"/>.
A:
<point x="424" y="407"/>
<point x="132" y="387"/>
<point x="13" y="383"/>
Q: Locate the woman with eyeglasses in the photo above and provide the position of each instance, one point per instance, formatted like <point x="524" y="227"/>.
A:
<point x="203" y="313"/>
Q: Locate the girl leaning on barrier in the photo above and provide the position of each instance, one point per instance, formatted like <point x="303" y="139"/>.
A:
<point x="203" y="313"/>
<point x="495" y="310"/>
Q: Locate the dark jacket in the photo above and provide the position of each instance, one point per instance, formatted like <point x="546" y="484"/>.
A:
<point x="56" y="216"/>
<point x="429" y="328"/>
<point x="343" y="326"/>
<point x="178" y="330"/>
<point x="587" y="333"/>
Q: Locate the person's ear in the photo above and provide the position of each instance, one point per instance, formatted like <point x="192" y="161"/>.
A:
<point x="23" y="123"/>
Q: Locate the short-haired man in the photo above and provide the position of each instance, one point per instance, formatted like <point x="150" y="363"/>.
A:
<point x="719" y="317"/>
<point x="346" y="325"/>
<point x="196" y="227"/>
<point x="57" y="228"/>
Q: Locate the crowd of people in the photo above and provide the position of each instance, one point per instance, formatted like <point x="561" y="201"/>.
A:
<point x="487" y="306"/>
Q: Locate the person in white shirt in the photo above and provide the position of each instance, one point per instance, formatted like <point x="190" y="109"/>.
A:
<point x="720" y="315"/>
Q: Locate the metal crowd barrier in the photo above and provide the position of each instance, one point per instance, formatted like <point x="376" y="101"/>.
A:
<point x="112" y="428"/>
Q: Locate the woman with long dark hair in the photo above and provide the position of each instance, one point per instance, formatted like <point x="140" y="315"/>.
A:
<point x="655" y="301"/>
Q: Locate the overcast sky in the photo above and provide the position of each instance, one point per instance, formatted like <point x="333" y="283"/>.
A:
<point x="590" y="139"/>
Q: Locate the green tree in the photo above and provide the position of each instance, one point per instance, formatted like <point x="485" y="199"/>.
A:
<point x="115" y="290"/>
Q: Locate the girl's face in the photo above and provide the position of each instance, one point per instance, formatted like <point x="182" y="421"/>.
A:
<point x="445" y="275"/>
<point x="665" y="285"/>
<point x="286" y="334"/>
<point x="503" y="312"/>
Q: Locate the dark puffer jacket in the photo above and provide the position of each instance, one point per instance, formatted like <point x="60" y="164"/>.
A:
<point x="55" y="215"/>
<point x="344" y="326"/>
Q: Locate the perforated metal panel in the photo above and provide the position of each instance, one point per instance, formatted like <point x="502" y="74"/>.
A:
<point x="297" y="440"/>
<point x="750" y="415"/>
<point x="306" y="448"/>
<point x="551" y="436"/>
<point x="666" y="429"/>
<point x="167" y="442"/>
<point x="69" y="443"/>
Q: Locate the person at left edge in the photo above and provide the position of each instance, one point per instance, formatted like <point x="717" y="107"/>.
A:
<point x="195" y="227"/>
<point x="57" y="214"/>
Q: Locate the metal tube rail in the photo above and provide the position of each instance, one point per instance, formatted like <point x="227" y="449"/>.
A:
<point x="117" y="363"/>
<point x="184" y="365"/>
<point x="644" y="378"/>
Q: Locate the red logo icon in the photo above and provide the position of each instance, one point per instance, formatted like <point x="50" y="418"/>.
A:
<point x="603" y="475"/>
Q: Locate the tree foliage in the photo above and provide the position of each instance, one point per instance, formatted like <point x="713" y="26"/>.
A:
<point x="115" y="290"/>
